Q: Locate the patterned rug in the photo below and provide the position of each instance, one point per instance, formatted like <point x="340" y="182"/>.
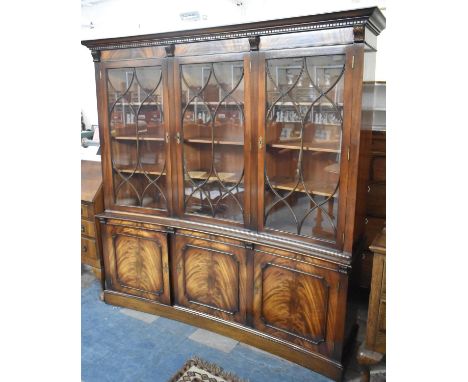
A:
<point x="198" y="370"/>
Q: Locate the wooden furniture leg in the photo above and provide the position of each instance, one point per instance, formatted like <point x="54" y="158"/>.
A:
<point x="365" y="359"/>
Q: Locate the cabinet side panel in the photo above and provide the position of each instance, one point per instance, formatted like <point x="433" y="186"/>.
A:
<point x="357" y="153"/>
<point x="365" y="142"/>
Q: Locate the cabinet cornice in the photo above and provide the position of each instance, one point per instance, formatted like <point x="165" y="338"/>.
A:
<point x="371" y="18"/>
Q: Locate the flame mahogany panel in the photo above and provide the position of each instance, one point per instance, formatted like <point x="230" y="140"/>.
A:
<point x="210" y="277"/>
<point x="137" y="262"/>
<point x="295" y="301"/>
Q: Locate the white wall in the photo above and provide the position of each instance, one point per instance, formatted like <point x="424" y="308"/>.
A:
<point x="115" y="18"/>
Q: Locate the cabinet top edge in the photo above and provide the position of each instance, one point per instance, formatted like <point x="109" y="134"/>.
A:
<point x="371" y="18"/>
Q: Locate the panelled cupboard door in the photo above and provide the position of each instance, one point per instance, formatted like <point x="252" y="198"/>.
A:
<point x="296" y="301"/>
<point x="136" y="262"/>
<point x="211" y="276"/>
<point x="138" y="160"/>
<point x="212" y="123"/>
<point x="305" y="112"/>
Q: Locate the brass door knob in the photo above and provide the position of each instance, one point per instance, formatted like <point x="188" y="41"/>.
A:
<point x="82" y="228"/>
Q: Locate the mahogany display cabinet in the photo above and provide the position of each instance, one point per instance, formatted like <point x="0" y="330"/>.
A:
<point x="235" y="162"/>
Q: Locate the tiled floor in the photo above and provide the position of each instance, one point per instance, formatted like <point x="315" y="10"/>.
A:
<point x="125" y="345"/>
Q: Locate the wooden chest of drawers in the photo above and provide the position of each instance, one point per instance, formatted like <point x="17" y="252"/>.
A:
<point x="373" y="348"/>
<point x="375" y="209"/>
<point x="92" y="203"/>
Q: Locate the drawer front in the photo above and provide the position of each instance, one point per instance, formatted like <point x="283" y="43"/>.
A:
<point x="88" y="248"/>
<point x="136" y="262"/>
<point x="89" y="252"/>
<point x="299" y="302"/>
<point x="88" y="228"/>
<point x="211" y="276"/>
<point x="87" y="211"/>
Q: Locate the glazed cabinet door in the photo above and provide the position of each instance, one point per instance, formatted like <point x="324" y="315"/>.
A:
<point x="213" y="138"/>
<point x="136" y="262"/>
<point x="211" y="276"/>
<point x="138" y="152"/>
<point x="302" y="151"/>
<point x="298" y="301"/>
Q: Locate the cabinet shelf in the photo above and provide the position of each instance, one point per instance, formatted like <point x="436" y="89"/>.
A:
<point x="216" y="141"/>
<point x="138" y="104"/>
<point x="131" y="170"/>
<point x="325" y="104"/>
<point x="315" y="187"/>
<point x="308" y="146"/>
<point x="125" y="138"/>
<point x="229" y="177"/>
<point x="374" y="109"/>
<point x="213" y="103"/>
<point x="309" y="122"/>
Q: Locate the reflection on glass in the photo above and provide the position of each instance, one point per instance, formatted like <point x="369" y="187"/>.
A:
<point x="304" y="116"/>
<point x="213" y="135"/>
<point x="137" y="136"/>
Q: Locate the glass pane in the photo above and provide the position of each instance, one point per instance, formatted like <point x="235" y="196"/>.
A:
<point x="137" y="136"/>
<point x="213" y="132"/>
<point x="304" y="123"/>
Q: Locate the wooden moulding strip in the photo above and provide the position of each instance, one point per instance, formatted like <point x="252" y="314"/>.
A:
<point x="260" y="238"/>
<point x="313" y="361"/>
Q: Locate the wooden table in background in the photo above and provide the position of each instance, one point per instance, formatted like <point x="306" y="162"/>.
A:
<point x="372" y="349"/>
<point x="92" y="203"/>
